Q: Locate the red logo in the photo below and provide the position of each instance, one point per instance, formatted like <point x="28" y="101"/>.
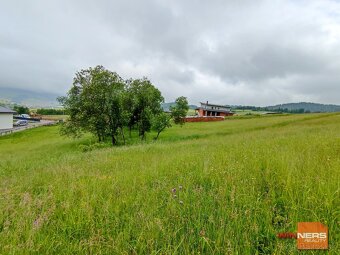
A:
<point x="310" y="236"/>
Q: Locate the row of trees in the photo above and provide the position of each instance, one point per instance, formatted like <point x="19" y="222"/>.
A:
<point x="272" y="109"/>
<point x="47" y="111"/>
<point x="21" y="109"/>
<point x="102" y="103"/>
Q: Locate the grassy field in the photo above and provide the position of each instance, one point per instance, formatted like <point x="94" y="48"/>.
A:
<point x="248" y="112"/>
<point x="54" y="117"/>
<point x="238" y="183"/>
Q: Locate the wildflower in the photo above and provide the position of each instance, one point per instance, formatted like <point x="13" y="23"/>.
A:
<point x="180" y="187"/>
<point x="181" y="202"/>
<point x="173" y="190"/>
<point x="175" y="196"/>
<point x="37" y="223"/>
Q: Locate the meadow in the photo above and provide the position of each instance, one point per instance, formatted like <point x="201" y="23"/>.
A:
<point x="205" y="188"/>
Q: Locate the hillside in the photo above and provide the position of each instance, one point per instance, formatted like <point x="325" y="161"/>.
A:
<point x="311" y="107"/>
<point x="205" y="188"/>
<point x="292" y="108"/>
<point x="28" y="98"/>
<point x="166" y="106"/>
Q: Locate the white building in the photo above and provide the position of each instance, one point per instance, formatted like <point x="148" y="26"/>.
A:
<point x="6" y="118"/>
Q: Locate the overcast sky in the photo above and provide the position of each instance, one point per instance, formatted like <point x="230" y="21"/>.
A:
<point x="231" y="52"/>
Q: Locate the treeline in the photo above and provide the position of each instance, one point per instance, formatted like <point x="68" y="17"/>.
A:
<point x="102" y="103"/>
<point x="51" y="111"/>
<point x="302" y="107"/>
<point x="286" y="110"/>
<point x="20" y="109"/>
<point x="270" y="109"/>
<point x="246" y="107"/>
<point x="312" y="107"/>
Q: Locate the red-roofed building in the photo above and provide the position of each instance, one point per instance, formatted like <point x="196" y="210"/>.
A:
<point x="207" y="109"/>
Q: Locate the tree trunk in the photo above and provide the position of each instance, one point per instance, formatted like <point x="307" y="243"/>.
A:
<point x="98" y="135"/>
<point x="121" y="130"/>
<point x="113" y="139"/>
<point x="142" y="134"/>
<point x="157" y="135"/>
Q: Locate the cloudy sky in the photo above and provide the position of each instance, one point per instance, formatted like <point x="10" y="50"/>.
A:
<point x="231" y="52"/>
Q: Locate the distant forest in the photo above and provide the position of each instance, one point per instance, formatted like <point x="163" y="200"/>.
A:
<point x="166" y="106"/>
<point x="284" y="108"/>
<point x="293" y="108"/>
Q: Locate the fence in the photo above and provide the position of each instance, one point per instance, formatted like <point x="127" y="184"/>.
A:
<point x="204" y="119"/>
<point x="22" y="128"/>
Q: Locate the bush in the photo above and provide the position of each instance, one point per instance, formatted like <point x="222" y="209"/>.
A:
<point x="91" y="147"/>
<point x="51" y="111"/>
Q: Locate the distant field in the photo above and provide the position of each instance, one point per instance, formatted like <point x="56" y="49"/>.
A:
<point x="191" y="112"/>
<point x="238" y="183"/>
<point x="247" y="112"/>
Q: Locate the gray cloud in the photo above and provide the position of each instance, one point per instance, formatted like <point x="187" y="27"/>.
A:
<point x="233" y="52"/>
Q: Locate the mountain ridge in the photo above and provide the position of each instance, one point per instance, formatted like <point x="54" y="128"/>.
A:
<point x="28" y="98"/>
<point x="294" y="107"/>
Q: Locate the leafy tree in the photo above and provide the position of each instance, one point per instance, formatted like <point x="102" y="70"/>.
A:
<point x="116" y="114"/>
<point x="130" y="104"/>
<point x="21" y="109"/>
<point x="145" y="101"/>
<point x="94" y="104"/>
<point x="160" y="122"/>
<point x="76" y="123"/>
<point x="180" y="110"/>
<point x="101" y="103"/>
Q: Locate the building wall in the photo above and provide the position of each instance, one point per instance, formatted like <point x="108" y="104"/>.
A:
<point x="200" y="112"/>
<point x="6" y="120"/>
<point x="212" y="107"/>
<point x="203" y="112"/>
<point x="203" y="119"/>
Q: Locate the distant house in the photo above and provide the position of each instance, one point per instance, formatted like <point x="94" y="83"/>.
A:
<point x="6" y="118"/>
<point x="207" y="109"/>
<point x="210" y="112"/>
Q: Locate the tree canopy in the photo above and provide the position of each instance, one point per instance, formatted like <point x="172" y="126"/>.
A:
<point x="49" y="111"/>
<point x="180" y="110"/>
<point x="102" y="103"/>
<point x="21" y="109"/>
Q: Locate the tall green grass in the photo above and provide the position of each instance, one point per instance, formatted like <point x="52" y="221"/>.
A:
<point x="238" y="183"/>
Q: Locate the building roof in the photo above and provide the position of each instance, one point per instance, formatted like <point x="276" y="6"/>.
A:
<point x="6" y="110"/>
<point x="217" y="105"/>
<point x="213" y="110"/>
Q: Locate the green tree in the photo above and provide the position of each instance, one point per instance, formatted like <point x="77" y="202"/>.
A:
<point x="144" y="102"/>
<point x="115" y="112"/>
<point x="45" y="111"/>
<point x="101" y="103"/>
<point x="21" y="109"/>
<point x="180" y="110"/>
<point x="160" y="122"/>
<point x="95" y="104"/>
